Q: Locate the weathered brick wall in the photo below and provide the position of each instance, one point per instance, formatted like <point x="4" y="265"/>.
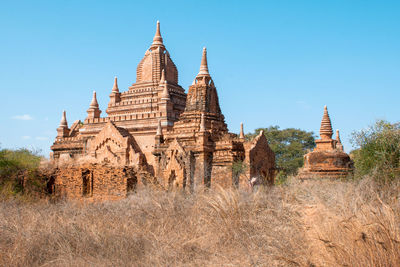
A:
<point x="260" y="159"/>
<point x="222" y="175"/>
<point x="95" y="181"/>
<point x="328" y="160"/>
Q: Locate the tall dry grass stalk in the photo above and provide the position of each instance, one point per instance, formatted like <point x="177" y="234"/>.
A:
<point x="310" y="223"/>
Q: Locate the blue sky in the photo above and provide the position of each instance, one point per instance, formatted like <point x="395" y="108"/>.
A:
<point x="273" y="62"/>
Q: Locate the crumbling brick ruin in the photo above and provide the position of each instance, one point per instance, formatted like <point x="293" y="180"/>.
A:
<point x="154" y="132"/>
<point x="96" y="181"/>
<point x="328" y="158"/>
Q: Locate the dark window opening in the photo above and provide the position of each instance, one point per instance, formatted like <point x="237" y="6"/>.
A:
<point x="86" y="183"/>
<point x="51" y="185"/>
<point x="172" y="178"/>
<point x="131" y="184"/>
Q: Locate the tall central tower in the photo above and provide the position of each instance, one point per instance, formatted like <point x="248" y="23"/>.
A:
<point x="156" y="94"/>
<point x="202" y="104"/>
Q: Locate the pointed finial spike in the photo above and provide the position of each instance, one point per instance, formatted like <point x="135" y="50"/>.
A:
<point x="339" y="144"/>
<point x="338" y="136"/>
<point x="241" y="135"/>
<point x="63" y="122"/>
<point x="158" y="32"/>
<point x="157" y="40"/>
<point x="115" y="88"/>
<point x="94" y="104"/>
<point x="204" y="64"/>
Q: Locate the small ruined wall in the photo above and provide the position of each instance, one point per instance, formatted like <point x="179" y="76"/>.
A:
<point x="94" y="181"/>
<point x="260" y="159"/>
<point x="222" y="175"/>
<point x="327" y="161"/>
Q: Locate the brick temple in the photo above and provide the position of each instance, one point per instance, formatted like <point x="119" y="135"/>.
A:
<point x="328" y="159"/>
<point x="156" y="133"/>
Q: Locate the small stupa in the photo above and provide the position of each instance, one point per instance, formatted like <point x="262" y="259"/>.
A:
<point x="328" y="158"/>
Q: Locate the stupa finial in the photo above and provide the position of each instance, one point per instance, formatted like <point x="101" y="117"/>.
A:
<point x="158" y="40"/>
<point x="325" y="131"/>
<point x="63" y="122"/>
<point x="338" y="136"/>
<point x="94" y="104"/>
<point x="204" y="65"/>
<point x="241" y="135"/>
<point x="115" y="88"/>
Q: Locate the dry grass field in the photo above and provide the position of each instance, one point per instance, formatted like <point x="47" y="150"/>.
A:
<point x="311" y="223"/>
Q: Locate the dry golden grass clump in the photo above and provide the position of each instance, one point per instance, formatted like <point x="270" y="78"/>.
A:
<point x="311" y="223"/>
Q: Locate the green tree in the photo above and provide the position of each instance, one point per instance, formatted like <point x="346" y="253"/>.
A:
<point x="378" y="149"/>
<point x="289" y="146"/>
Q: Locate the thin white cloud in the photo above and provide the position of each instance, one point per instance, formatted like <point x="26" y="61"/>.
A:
<point x="26" y="137"/>
<point x="41" y="138"/>
<point x="25" y="117"/>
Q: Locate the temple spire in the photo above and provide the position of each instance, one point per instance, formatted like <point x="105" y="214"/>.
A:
<point x="94" y="103"/>
<point x="325" y="131"/>
<point x="204" y="65"/>
<point x="157" y="40"/>
<point x="241" y="135"/>
<point x="63" y="122"/>
<point x="115" y="88"/>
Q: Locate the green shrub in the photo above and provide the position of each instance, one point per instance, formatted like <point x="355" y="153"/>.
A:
<point x="378" y="150"/>
<point x="18" y="168"/>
